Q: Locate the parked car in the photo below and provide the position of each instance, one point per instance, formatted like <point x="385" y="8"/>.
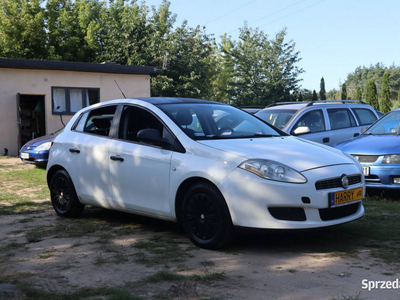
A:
<point x="378" y="151"/>
<point x="205" y="164"/>
<point x="327" y="122"/>
<point x="36" y="151"/>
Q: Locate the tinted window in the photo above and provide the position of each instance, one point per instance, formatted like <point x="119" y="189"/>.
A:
<point x="364" y="116"/>
<point x="135" y="119"/>
<point x="389" y="124"/>
<point x="340" y="118"/>
<point x="314" y="120"/>
<point x="97" y="121"/>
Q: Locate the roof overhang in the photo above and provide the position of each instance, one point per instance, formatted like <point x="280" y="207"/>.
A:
<point x="76" y="66"/>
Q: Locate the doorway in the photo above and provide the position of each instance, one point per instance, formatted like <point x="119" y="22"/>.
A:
<point x="31" y="118"/>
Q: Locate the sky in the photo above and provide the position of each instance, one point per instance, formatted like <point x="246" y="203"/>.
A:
<point x="334" y="37"/>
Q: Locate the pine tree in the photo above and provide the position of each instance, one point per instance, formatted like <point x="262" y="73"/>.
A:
<point x="322" y="92"/>
<point x="314" y="96"/>
<point x="386" y="104"/>
<point x="371" y="95"/>
<point x="343" y="95"/>
<point x="358" y="93"/>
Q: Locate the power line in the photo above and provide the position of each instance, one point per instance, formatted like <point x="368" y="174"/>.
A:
<point x="292" y="13"/>
<point x="230" y="12"/>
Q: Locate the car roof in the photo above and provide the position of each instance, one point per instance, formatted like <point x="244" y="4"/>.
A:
<point x="174" y="100"/>
<point x="300" y="105"/>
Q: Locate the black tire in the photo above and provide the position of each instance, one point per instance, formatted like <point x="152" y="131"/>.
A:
<point x="205" y="217"/>
<point x="63" y="195"/>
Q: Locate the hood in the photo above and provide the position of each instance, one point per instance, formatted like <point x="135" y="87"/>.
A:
<point x="296" y="153"/>
<point x="40" y="140"/>
<point x="372" y="145"/>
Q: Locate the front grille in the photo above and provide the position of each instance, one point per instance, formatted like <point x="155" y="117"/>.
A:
<point x="366" y="158"/>
<point x="328" y="214"/>
<point x="336" y="182"/>
<point x="288" y="213"/>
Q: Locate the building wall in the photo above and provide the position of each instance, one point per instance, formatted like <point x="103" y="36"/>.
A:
<point x="39" y="82"/>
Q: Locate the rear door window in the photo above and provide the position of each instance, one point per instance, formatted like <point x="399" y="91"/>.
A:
<point x="364" y="116"/>
<point x="341" y="118"/>
<point x="97" y="121"/>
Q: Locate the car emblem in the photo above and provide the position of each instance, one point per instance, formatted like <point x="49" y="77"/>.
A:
<point x="345" y="182"/>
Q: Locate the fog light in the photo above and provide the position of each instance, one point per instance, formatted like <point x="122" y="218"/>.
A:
<point x="396" y="180"/>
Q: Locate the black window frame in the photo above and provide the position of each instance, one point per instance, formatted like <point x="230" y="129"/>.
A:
<point x="68" y="99"/>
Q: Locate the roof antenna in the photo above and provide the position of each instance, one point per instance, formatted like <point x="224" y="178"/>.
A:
<point x="119" y="88"/>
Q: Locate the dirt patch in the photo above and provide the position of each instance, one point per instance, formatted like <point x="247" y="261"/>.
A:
<point x="152" y="259"/>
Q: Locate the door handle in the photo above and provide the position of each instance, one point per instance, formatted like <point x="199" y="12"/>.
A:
<point x="118" y="158"/>
<point x="356" y="134"/>
<point x="74" y="150"/>
<point x="325" y="140"/>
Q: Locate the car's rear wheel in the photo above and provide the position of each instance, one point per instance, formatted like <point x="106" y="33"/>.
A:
<point x="205" y="217"/>
<point x="63" y="195"/>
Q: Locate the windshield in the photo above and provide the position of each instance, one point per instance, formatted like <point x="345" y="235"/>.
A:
<point x="389" y="125"/>
<point x="214" y="121"/>
<point x="277" y="117"/>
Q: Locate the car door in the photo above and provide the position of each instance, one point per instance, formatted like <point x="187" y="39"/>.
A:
<point x="342" y="124"/>
<point x="140" y="172"/>
<point x="87" y="151"/>
<point x="314" y="120"/>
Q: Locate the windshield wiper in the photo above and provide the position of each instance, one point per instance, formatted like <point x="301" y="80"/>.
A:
<point x="264" y="135"/>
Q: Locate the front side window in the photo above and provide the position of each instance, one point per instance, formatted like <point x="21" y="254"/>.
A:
<point x="340" y="118"/>
<point x="364" y="116"/>
<point x="214" y="121"/>
<point x="314" y="120"/>
<point x="97" y="121"/>
<point x="68" y="100"/>
<point x="134" y="119"/>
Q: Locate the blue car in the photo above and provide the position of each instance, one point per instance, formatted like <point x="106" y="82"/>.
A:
<point x="37" y="150"/>
<point x="378" y="151"/>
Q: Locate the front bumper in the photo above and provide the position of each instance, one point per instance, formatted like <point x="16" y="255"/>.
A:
<point x="39" y="158"/>
<point x="381" y="176"/>
<point x="259" y="203"/>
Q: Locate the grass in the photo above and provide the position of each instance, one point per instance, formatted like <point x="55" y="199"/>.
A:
<point x="163" y="275"/>
<point x="356" y="297"/>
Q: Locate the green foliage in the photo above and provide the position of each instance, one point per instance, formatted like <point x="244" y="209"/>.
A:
<point x="343" y="94"/>
<point x="314" y="96"/>
<point x="371" y="95"/>
<point x="322" y="92"/>
<point x="358" y="93"/>
<point x="386" y="104"/>
<point x="257" y="70"/>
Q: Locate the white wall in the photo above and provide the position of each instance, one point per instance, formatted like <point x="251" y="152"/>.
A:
<point x="39" y="82"/>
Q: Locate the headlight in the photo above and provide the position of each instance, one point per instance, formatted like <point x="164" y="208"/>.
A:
<point x="273" y="170"/>
<point x="359" y="166"/>
<point x="44" y="146"/>
<point x="391" y="159"/>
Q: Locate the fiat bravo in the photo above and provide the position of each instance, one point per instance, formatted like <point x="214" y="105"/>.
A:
<point x="205" y="164"/>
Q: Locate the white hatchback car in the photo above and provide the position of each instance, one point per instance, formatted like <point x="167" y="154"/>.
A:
<point x="205" y="164"/>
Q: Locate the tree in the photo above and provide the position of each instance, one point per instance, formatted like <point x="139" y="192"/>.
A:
<point x="371" y="95"/>
<point x="386" y="104"/>
<point x="343" y="94"/>
<point x="358" y="93"/>
<point x="22" y="29"/>
<point x="257" y="70"/>
<point x="322" y="93"/>
<point x="314" y="96"/>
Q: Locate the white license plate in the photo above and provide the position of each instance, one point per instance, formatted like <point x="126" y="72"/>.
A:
<point x="25" y="155"/>
<point x="366" y="171"/>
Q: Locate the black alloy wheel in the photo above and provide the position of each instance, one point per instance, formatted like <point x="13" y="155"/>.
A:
<point x="206" y="217"/>
<point x="63" y="196"/>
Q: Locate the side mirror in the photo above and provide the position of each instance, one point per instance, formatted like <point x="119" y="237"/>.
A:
<point x="301" y="130"/>
<point x="364" y="129"/>
<point x="153" y="136"/>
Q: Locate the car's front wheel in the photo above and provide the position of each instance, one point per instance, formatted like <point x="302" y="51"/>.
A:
<point x="63" y="195"/>
<point x="205" y="217"/>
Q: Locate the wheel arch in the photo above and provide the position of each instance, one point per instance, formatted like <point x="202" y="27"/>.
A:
<point x="52" y="171"/>
<point x="185" y="186"/>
